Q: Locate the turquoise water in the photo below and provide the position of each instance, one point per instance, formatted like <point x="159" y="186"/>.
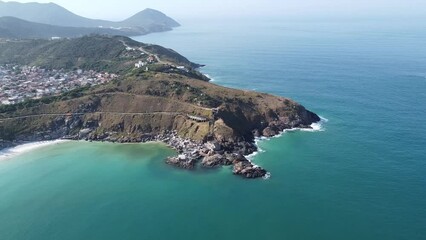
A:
<point x="363" y="177"/>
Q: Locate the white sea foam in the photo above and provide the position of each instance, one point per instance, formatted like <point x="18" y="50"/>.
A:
<point x="317" y="127"/>
<point x="211" y="79"/>
<point x="251" y="156"/>
<point x="267" y="176"/>
<point x="14" y="151"/>
<point x="259" y="150"/>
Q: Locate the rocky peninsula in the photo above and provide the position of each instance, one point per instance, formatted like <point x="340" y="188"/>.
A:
<point x="208" y="125"/>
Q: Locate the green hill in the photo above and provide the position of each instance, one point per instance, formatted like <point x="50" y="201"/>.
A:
<point x="96" y="52"/>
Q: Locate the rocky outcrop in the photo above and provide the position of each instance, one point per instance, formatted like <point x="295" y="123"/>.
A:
<point x="215" y="161"/>
<point x="212" y="155"/>
<point x="248" y="170"/>
<point x="181" y="161"/>
<point x="243" y="167"/>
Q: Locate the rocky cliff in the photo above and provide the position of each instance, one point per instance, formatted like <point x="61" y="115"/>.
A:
<point x="195" y="109"/>
<point x="166" y="105"/>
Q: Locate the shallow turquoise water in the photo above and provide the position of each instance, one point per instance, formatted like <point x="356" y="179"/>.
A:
<point x="361" y="178"/>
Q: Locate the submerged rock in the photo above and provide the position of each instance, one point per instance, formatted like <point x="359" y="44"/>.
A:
<point x="181" y="161"/>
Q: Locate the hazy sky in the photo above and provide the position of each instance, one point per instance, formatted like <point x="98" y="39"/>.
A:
<point x="116" y="10"/>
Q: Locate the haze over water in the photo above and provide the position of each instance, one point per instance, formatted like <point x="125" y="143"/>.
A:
<point x="363" y="177"/>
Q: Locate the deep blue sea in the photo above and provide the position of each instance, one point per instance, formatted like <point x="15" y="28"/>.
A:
<point x="362" y="177"/>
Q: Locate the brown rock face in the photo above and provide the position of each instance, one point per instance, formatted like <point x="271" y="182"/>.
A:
<point x="261" y="115"/>
<point x="163" y="103"/>
<point x="269" y="132"/>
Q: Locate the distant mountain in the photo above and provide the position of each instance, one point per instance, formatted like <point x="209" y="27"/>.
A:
<point x="150" y="16"/>
<point x="49" y="13"/>
<point x="11" y="27"/>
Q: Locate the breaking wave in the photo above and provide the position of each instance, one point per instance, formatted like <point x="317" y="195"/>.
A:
<point x="211" y="79"/>
<point x="27" y="147"/>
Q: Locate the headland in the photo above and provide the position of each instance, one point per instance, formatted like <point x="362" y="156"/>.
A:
<point x="157" y="95"/>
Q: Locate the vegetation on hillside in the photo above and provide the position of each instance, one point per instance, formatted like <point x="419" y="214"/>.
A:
<point x="95" y="52"/>
<point x="139" y="101"/>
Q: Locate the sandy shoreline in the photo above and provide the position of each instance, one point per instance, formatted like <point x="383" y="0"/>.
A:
<point x="27" y="147"/>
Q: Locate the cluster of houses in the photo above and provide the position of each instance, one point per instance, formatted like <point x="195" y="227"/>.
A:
<point x="149" y="60"/>
<point x="19" y="83"/>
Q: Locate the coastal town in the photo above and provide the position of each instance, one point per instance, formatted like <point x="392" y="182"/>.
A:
<point x="20" y="83"/>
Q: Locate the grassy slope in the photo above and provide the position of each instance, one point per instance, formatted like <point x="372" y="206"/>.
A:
<point x="240" y="112"/>
<point x="100" y="53"/>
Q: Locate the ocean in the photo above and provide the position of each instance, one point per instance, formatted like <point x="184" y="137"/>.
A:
<point x="361" y="176"/>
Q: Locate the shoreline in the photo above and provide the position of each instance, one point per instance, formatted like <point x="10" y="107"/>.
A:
<point x="24" y="147"/>
<point x="221" y="133"/>
<point x="209" y="155"/>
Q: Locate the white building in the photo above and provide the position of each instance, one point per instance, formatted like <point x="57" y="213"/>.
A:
<point x="140" y="64"/>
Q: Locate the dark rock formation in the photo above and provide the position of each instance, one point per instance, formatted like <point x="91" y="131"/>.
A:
<point x="5" y="144"/>
<point x="215" y="161"/>
<point x="245" y="168"/>
<point x="181" y="161"/>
